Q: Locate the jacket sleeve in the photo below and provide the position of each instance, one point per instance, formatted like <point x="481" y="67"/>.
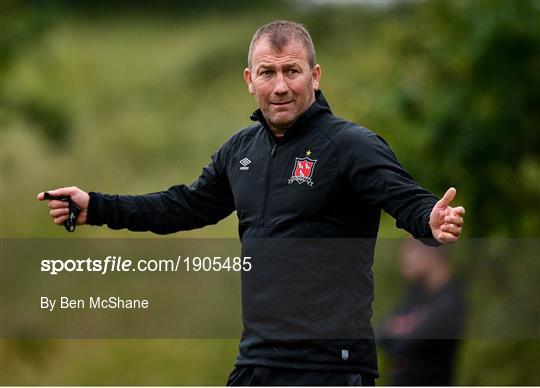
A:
<point x="375" y="174"/>
<point x="206" y="201"/>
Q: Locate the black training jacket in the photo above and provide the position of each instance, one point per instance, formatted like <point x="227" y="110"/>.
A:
<point x="308" y="206"/>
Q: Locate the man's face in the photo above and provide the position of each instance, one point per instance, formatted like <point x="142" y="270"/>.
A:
<point x="413" y="264"/>
<point x="417" y="260"/>
<point x="282" y="82"/>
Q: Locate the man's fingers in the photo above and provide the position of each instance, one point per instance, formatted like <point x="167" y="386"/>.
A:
<point x="446" y="221"/>
<point x="447" y="238"/>
<point x="60" y="220"/>
<point x="59" y="212"/>
<point x="57" y="204"/>
<point x="460" y="210"/>
<point x="456" y="220"/>
<point x="448" y="197"/>
<point x="61" y="192"/>
<point x="452" y="229"/>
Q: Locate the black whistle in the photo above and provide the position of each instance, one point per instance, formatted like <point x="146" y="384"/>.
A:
<point x="74" y="211"/>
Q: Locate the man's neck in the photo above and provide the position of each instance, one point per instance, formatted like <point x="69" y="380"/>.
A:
<point x="278" y="132"/>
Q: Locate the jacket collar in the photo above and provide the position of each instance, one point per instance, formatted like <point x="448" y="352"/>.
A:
<point x="319" y="106"/>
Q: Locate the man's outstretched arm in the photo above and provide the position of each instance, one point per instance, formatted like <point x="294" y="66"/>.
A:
<point x="376" y="174"/>
<point x="204" y="202"/>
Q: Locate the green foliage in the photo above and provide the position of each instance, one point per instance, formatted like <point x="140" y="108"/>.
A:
<point x="498" y="360"/>
<point x="490" y="124"/>
<point x="127" y="99"/>
<point x="117" y="362"/>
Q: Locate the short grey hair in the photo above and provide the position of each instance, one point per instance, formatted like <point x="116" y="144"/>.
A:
<point x="280" y="33"/>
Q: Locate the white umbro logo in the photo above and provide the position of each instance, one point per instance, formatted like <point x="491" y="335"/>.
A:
<point x="244" y="162"/>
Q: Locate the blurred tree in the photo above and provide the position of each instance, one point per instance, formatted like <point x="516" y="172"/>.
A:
<point x="483" y="109"/>
<point x="472" y="80"/>
<point x="22" y="25"/>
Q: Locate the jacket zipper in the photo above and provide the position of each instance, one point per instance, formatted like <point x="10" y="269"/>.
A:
<point x="268" y="180"/>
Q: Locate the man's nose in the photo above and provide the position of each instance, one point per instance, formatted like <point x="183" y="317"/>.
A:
<point x="281" y="86"/>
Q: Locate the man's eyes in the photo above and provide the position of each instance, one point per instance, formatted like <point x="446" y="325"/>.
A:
<point x="288" y="72"/>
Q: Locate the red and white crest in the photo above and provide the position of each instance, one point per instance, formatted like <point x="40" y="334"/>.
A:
<point x="303" y="171"/>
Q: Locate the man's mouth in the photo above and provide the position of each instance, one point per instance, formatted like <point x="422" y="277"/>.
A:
<point x="282" y="103"/>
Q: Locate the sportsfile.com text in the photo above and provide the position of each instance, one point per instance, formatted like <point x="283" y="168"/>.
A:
<point x="118" y="264"/>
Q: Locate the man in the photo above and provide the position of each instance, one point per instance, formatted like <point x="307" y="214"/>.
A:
<point x="421" y="335"/>
<point x="299" y="179"/>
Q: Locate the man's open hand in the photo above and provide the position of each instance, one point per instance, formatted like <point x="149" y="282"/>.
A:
<point x="446" y="221"/>
<point x="60" y="209"/>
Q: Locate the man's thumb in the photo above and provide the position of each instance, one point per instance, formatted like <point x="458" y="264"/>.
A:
<point x="448" y="197"/>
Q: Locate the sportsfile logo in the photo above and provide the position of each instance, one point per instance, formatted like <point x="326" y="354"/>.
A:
<point x="244" y="162"/>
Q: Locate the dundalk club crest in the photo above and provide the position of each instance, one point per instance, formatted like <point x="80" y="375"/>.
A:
<point x="303" y="171"/>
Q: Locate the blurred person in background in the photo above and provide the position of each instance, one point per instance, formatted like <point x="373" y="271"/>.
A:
<point x="299" y="172"/>
<point x="421" y="335"/>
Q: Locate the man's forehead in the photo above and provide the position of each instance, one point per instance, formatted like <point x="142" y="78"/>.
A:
<point x="267" y="53"/>
<point x="283" y="61"/>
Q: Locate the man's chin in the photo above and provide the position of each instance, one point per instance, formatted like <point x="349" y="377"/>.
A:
<point x="282" y="121"/>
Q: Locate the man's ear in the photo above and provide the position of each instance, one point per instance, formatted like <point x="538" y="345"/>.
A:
<point x="247" y="78"/>
<point x="316" y="77"/>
